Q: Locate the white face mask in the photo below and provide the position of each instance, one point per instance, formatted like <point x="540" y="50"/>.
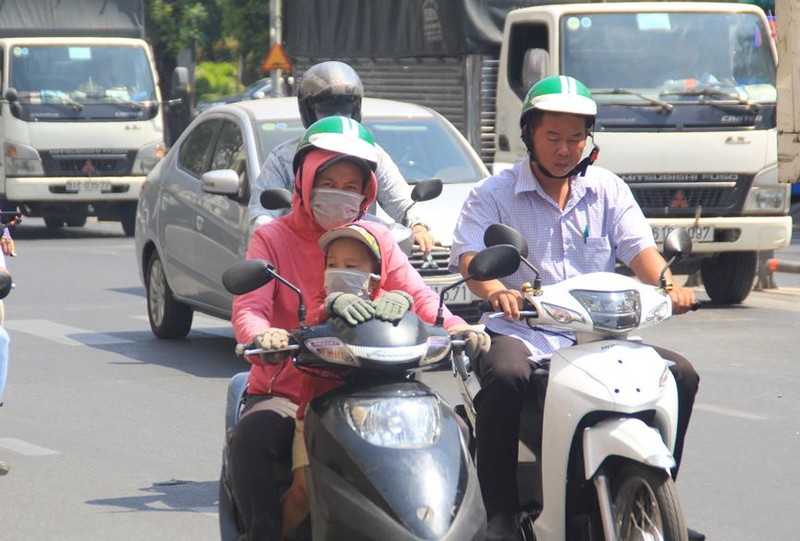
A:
<point x="352" y="281"/>
<point x="334" y="208"/>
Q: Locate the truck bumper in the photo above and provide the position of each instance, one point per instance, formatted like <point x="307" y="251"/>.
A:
<point x="740" y="234"/>
<point x="79" y="190"/>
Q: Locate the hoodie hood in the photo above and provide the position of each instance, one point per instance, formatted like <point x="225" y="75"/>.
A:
<point x="304" y="183"/>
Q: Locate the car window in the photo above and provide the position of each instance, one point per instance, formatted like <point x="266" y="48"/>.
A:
<point x="195" y="149"/>
<point x="424" y="148"/>
<point x="229" y="152"/>
<point x="272" y="134"/>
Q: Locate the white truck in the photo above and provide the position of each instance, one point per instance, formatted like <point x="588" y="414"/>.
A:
<point x="698" y="148"/>
<point x="686" y="115"/>
<point x="81" y="122"/>
<point x="788" y="82"/>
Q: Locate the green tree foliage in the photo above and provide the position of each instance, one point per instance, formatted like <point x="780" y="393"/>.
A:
<point x="214" y="79"/>
<point x="247" y="23"/>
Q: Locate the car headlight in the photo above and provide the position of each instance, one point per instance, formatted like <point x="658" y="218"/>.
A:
<point x="22" y="161"/>
<point x="332" y="350"/>
<point x="616" y="311"/>
<point x="147" y="158"/>
<point x="398" y="423"/>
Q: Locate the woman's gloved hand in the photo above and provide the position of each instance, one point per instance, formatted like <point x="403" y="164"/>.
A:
<point x="271" y="339"/>
<point x="393" y="305"/>
<point x="476" y="341"/>
<point x="351" y="308"/>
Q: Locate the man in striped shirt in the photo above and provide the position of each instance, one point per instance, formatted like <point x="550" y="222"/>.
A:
<point x="576" y="218"/>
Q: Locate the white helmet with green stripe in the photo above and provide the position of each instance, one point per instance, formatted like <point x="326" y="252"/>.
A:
<point x="559" y="94"/>
<point x="338" y="134"/>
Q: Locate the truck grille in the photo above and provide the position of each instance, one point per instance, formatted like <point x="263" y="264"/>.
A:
<point x="82" y="163"/>
<point x="435" y="264"/>
<point x="682" y="198"/>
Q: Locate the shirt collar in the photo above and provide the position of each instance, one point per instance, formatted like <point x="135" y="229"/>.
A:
<point x="527" y="182"/>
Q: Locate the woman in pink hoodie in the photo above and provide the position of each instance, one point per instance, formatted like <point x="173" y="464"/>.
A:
<point x="334" y="185"/>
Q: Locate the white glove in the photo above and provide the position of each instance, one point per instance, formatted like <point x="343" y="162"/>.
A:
<point x="272" y="339"/>
<point x="393" y="305"/>
<point x="476" y="341"/>
<point x="351" y="308"/>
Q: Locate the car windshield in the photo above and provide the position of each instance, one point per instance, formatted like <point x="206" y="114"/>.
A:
<point x="424" y="148"/>
<point x="631" y="59"/>
<point x="421" y="148"/>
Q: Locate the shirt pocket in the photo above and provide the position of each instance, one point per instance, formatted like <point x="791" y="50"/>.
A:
<point x="599" y="248"/>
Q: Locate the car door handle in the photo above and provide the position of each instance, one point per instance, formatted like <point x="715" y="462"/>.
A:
<point x="199" y="222"/>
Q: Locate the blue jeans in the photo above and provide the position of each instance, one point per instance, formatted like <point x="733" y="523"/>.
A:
<point x="5" y="340"/>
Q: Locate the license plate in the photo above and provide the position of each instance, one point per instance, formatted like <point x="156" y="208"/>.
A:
<point x="89" y="185"/>
<point x="699" y="233"/>
<point x="458" y="295"/>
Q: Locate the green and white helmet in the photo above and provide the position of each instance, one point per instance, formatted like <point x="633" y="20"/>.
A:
<point x="338" y="134"/>
<point x="559" y="94"/>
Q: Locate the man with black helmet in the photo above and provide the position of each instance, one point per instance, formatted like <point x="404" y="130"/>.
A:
<point x="576" y="219"/>
<point x="327" y="89"/>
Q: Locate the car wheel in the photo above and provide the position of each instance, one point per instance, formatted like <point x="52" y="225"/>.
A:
<point x="76" y="221"/>
<point x="128" y="219"/>
<point x="168" y="317"/>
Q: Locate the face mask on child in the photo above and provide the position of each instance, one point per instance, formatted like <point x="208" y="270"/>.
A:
<point x="352" y="281"/>
<point x="333" y="208"/>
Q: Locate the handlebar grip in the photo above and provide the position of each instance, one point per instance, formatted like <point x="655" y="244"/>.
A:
<point x="694" y="307"/>
<point x="485" y="306"/>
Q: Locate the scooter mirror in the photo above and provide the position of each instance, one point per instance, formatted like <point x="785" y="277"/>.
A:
<point x="247" y="276"/>
<point x="425" y="190"/>
<point x="677" y="245"/>
<point x="503" y="234"/>
<point x="276" y="199"/>
<point x="494" y="262"/>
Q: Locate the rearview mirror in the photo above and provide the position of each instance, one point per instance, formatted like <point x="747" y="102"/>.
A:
<point x="248" y="275"/>
<point x="425" y="190"/>
<point x="494" y="262"/>
<point x="503" y="234"/>
<point x="677" y="245"/>
<point x="276" y="199"/>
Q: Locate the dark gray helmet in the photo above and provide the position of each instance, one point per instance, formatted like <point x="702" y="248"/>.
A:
<point x="328" y="89"/>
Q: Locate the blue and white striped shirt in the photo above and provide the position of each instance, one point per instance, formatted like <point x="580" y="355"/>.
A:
<point x="600" y="223"/>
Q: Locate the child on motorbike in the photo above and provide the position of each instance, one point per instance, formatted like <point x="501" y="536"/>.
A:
<point x="334" y="184"/>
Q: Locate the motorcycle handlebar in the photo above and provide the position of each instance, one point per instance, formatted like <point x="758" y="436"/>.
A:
<point x="252" y="349"/>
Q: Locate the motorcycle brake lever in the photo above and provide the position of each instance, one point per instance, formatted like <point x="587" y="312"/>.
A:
<point x="251" y="349"/>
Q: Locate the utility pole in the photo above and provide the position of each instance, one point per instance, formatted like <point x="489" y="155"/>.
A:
<point x="276" y="36"/>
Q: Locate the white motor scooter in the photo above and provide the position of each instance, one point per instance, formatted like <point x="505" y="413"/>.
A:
<point x="595" y="457"/>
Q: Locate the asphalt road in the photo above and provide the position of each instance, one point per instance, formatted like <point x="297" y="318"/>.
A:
<point x="113" y="434"/>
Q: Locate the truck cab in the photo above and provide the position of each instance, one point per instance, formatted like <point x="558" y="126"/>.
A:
<point x="686" y="96"/>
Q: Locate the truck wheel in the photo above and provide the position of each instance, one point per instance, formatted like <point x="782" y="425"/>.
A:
<point x="729" y="276"/>
<point x="54" y="222"/>
<point x="128" y="218"/>
<point x="76" y="221"/>
<point x="168" y="317"/>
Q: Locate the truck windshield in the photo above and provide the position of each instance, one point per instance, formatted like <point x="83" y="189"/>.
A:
<point x="674" y="57"/>
<point x="81" y="76"/>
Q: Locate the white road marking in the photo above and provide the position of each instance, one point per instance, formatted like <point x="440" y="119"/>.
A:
<point x="730" y="412"/>
<point x="63" y="334"/>
<point x="207" y="324"/>
<point x="25" y="448"/>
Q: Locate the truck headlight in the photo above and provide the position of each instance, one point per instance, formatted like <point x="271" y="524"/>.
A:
<point x="398" y="423"/>
<point x="147" y="158"/>
<point x="768" y="196"/>
<point x="22" y="161"/>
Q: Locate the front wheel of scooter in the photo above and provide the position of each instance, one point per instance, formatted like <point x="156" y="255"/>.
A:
<point x="646" y="505"/>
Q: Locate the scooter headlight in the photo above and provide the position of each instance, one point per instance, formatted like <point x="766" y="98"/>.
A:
<point x="398" y="423"/>
<point x="332" y="350"/>
<point x="616" y="311"/>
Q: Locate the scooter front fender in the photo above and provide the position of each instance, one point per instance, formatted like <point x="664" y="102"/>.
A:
<point x="627" y="437"/>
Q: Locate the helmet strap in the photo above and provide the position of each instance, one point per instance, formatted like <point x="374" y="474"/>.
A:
<point x="579" y="169"/>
